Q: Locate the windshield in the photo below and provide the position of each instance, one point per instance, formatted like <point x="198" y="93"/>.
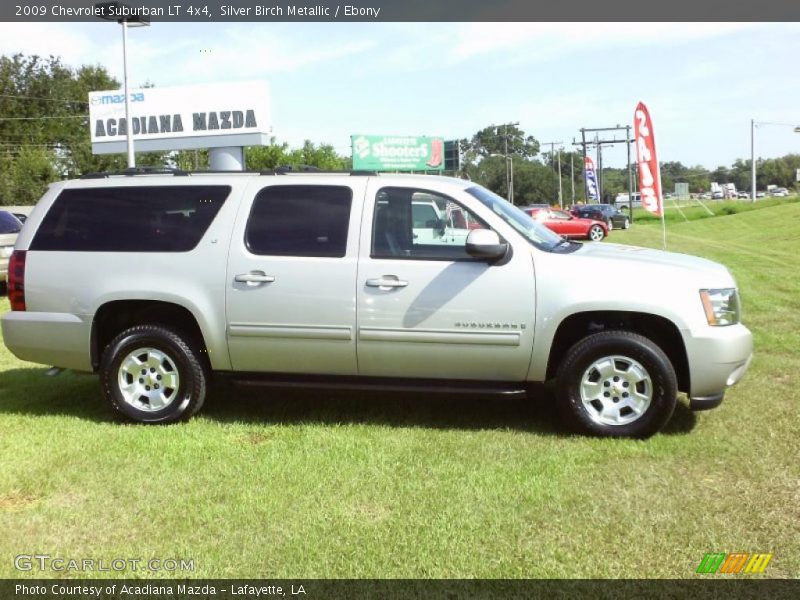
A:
<point x="9" y="223"/>
<point x="536" y="233"/>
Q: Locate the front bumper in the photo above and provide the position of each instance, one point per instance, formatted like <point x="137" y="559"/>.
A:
<point x="718" y="358"/>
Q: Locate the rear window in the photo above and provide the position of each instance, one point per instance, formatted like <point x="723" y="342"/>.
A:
<point x="9" y="223"/>
<point x="300" y="220"/>
<point x="130" y="219"/>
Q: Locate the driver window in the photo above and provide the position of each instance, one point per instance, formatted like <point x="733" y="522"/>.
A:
<point x="420" y="224"/>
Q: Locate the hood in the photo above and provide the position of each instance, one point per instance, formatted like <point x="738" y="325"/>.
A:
<point x="651" y="262"/>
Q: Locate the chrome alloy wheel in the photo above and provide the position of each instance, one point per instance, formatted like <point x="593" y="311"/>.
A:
<point x="148" y="379"/>
<point x="616" y="390"/>
<point x="596" y="233"/>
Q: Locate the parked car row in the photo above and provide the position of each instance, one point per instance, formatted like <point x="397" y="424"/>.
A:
<point x="582" y="221"/>
<point x="568" y="225"/>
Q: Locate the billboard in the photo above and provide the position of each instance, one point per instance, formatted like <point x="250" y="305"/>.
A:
<point x="397" y="153"/>
<point x="183" y="117"/>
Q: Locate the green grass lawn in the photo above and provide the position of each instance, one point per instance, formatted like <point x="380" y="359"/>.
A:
<point x="323" y="484"/>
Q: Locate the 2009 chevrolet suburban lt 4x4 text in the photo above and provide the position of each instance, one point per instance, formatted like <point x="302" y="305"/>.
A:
<point x="156" y="281"/>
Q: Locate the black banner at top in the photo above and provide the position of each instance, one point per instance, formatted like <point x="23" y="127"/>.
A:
<point x="205" y="11"/>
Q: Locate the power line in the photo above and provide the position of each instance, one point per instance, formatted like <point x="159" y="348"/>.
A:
<point x="43" y="98"/>
<point x="40" y="118"/>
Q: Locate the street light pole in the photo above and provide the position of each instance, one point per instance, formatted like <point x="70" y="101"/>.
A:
<point x="106" y="10"/>
<point x="128" y="125"/>
<point x="752" y="160"/>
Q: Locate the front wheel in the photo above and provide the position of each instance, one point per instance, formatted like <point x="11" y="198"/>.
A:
<point x="152" y="374"/>
<point x="616" y="384"/>
<point x="596" y="233"/>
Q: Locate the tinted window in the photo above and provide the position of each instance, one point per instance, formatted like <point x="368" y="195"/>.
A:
<point x="412" y="223"/>
<point x="9" y="223"/>
<point x="300" y="220"/>
<point x="130" y="219"/>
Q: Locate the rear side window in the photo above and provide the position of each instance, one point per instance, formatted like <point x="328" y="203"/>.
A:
<point x="9" y="223"/>
<point x="300" y="220"/>
<point x="130" y="219"/>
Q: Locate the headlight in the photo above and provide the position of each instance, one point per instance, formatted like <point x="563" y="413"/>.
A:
<point x="722" y="306"/>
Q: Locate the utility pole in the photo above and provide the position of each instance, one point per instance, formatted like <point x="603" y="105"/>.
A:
<point x="598" y="144"/>
<point x="630" y="173"/>
<point x="560" y="191"/>
<point x="553" y="165"/>
<point x="599" y="168"/>
<point x="509" y="163"/>
<point x="583" y="148"/>
<point x="572" y="176"/>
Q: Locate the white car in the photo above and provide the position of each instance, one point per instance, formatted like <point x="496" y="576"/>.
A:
<point x="156" y="281"/>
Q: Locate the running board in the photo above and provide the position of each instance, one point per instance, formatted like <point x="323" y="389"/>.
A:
<point x="432" y="386"/>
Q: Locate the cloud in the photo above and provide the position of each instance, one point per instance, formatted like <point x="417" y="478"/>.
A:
<point x="255" y="51"/>
<point x="45" y="39"/>
<point x="529" y="42"/>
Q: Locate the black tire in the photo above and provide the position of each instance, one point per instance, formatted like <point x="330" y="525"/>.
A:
<point x="627" y="345"/>
<point x="190" y="392"/>
<point x="627" y="224"/>
<point x="592" y="233"/>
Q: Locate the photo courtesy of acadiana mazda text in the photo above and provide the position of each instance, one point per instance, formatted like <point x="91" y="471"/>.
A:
<point x="160" y="282"/>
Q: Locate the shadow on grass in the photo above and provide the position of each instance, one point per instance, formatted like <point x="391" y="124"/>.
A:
<point x="31" y="392"/>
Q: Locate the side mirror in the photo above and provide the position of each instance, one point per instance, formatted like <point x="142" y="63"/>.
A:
<point x="484" y="243"/>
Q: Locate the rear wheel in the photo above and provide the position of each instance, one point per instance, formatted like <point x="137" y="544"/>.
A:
<point x="616" y="384"/>
<point x="152" y="374"/>
<point x="596" y="233"/>
<point x="626" y="224"/>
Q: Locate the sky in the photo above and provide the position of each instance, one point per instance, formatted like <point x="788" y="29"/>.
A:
<point x="703" y="82"/>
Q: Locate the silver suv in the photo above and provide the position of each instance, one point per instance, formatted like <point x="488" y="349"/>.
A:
<point x="156" y="281"/>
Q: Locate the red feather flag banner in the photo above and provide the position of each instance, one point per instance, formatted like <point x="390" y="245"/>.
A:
<point x="649" y="170"/>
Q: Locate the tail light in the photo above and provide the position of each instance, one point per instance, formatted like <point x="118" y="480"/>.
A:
<point x="16" y="280"/>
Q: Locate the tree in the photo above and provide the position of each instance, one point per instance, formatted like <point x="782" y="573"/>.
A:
<point x="44" y="133"/>
<point x="323" y="157"/>
<point x="502" y="139"/>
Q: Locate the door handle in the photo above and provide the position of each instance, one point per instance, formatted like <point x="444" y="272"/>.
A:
<point x="387" y="281"/>
<point x="253" y="278"/>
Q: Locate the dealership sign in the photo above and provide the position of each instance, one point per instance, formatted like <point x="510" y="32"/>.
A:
<point x="397" y="153"/>
<point x="175" y="118"/>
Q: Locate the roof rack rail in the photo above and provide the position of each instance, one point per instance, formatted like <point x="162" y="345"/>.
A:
<point x="283" y="169"/>
<point x="131" y="171"/>
<point x="280" y="170"/>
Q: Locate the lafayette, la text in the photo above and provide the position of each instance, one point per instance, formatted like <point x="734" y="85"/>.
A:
<point x="296" y="10"/>
<point x="149" y="589"/>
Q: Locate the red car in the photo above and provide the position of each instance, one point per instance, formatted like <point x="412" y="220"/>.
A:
<point x="565" y="224"/>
